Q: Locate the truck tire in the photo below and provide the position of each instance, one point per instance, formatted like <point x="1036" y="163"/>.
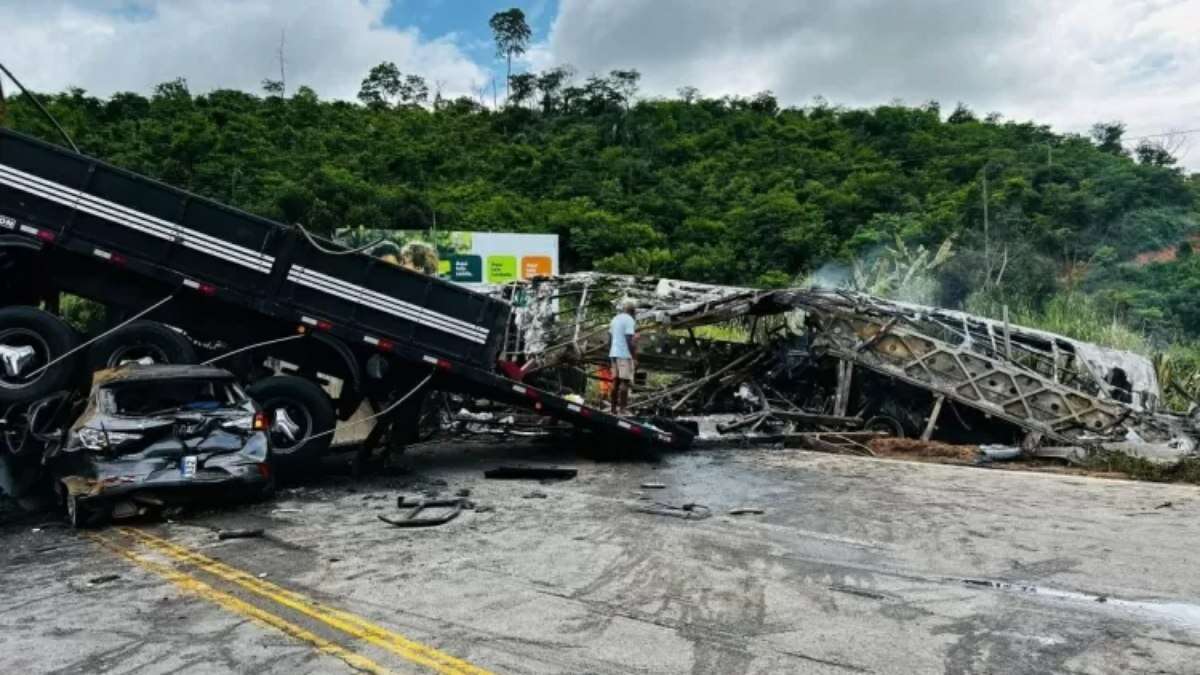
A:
<point x="297" y="409"/>
<point x="139" y="340"/>
<point x="49" y="337"/>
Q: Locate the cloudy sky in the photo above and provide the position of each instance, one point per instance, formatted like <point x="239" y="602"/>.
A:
<point x="1067" y="63"/>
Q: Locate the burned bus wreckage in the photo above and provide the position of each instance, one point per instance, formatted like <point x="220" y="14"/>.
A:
<point x="742" y="363"/>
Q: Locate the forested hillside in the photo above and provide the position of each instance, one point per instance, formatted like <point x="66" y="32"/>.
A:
<point x="730" y="190"/>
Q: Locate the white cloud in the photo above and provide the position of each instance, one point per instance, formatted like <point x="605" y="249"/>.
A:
<point x="1068" y="63"/>
<point x="106" y="46"/>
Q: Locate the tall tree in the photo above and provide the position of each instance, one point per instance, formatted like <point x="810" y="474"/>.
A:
<point x="385" y="86"/>
<point x="550" y="83"/>
<point x="1108" y="137"/>
<point x="523" y="85"/>
<point x="512" y="36"/>
<point x="380" y="85"/>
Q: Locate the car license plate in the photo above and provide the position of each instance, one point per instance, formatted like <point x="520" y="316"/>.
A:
<point x="187" y="466"/>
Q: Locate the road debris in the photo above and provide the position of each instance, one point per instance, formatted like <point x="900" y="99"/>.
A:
<point x="746" y="510"/>
<point x="690" y="511"/>
<point x="103" y="579"/>
<point x="239" y="534"/>
<point x="536" y="494"/>
<point x="530" y="472"/>
<point x="653" y="486"/>
<point x="412" y="518"/>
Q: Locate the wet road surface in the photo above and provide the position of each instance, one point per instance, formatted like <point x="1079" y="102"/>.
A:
<point x="856" y="566"/>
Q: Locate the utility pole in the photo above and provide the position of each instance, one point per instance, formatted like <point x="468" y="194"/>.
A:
<point x="282" y="61"/>
<point x="987" y="244"/>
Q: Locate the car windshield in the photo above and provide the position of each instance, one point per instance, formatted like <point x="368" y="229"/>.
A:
<point x="148" y="397"/>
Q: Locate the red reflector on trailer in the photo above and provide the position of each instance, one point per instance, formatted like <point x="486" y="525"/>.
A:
<point x="203" y="289"/>
<point x="46" y="235"/>
<point x="117" y="259"/>
<point x="635" y="430"/>
<point x="382" y="344"/>
<point x="444" y="364"/>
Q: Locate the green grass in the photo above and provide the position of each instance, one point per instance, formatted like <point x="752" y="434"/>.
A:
<point x="1074" y="315"/>
<point x="1185" y="471"/>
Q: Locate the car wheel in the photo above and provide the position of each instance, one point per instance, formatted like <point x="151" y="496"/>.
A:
<point x="298" y="410"/>
<point x="81" y="515"/>
<point x="29" y="340"/>
<point x="141" y="342"/>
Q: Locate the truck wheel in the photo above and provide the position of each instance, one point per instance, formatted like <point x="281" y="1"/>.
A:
<point x="297" y="409"/>
<point x="30" y="339"/>
<point x="141" y="341"/>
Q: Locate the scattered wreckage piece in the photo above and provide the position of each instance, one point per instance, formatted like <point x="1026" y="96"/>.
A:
<point x="688" y="511"/>
<point x="240" y="534"/>
<point x="530" y="473"/>
<point x="413" y="518"/>
<point x="838" y="442"/>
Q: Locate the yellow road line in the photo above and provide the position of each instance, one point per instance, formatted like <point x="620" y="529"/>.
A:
<point x="346" y="622"/>
<point x="238" y="606"/>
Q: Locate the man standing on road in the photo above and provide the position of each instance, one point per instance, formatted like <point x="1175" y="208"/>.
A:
<point x="623" y="354"/>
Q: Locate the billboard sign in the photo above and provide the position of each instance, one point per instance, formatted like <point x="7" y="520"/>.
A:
<point x="462" y="257"/>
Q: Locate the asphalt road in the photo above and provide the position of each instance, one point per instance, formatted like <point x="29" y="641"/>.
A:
<point x="856" y="566"/>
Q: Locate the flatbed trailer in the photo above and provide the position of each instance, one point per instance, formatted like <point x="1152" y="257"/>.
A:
<point x="71" y="223"/>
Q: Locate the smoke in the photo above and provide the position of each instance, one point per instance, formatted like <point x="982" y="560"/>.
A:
<point x="897" y="272"/>
<point x="831" y="275"/>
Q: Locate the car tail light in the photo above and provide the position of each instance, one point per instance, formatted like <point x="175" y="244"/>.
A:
<point x="260" y="421"/>
<point x="264" y="469"/>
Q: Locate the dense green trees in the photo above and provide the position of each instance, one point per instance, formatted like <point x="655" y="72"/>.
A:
<point x="737" y="190"/>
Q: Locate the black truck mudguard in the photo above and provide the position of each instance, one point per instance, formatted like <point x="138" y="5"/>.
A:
<point x="106" y="218"/>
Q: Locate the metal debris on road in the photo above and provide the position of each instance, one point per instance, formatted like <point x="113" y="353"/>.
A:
<point x="653" y="486"/>
<point x="413" y="518"/>
<point x="103" y="579"/>
<point x="239" y="534"/>
<point x="686" y="512"/>
<point x="530" y="472"/>
<point x="746" y="510"/>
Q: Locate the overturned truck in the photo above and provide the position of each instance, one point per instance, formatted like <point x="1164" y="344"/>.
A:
<point x="740" y="361"/>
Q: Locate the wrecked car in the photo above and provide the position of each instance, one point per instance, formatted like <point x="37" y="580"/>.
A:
<point x="150" y="437"/>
